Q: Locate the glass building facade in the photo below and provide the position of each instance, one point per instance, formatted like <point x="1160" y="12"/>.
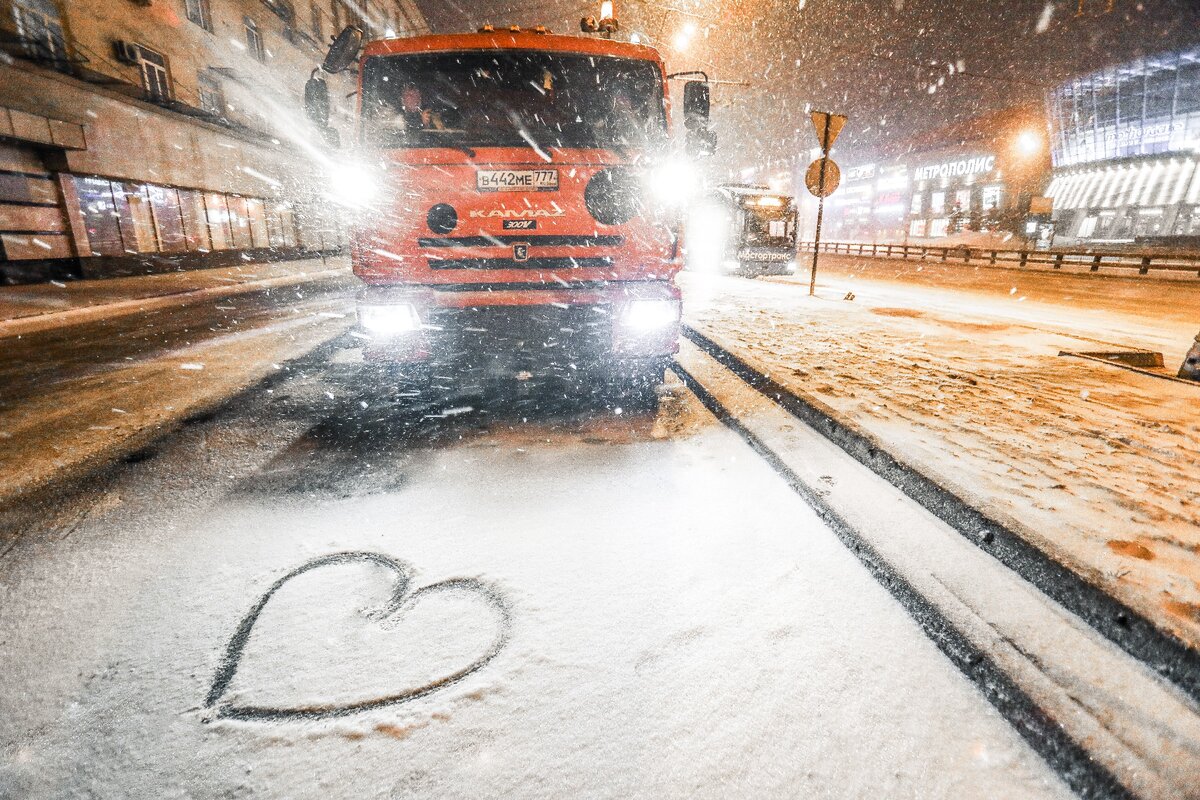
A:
<point x="1125" y="146"/>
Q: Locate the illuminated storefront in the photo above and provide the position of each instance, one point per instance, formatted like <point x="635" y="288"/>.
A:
<point x="930" y="196"/>
<point x="1125" y="143"/>
<point x="970" y="180"/>
<point x="950" y="193"/>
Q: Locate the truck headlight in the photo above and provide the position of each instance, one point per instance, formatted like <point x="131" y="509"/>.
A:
<point x="391" y="319"/>
<point x="673" y="182"/>
<point x="353" y="186"/>
<point x="650" y="315"/>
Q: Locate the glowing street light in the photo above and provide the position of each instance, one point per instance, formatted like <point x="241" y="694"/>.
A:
<point x="1028" y="143"/>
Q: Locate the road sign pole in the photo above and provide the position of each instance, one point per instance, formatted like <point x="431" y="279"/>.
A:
<point x="812" y="283"/>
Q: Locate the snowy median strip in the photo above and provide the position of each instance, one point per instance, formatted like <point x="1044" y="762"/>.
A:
<point x="1102" y="719"/>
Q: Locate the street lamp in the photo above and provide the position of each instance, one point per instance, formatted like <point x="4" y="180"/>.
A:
<point x="1028" y="143"/>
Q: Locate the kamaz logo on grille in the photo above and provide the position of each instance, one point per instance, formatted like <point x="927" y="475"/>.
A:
<point x="517" y="213"/>
<point x="520" y="224"/>
<point x="521" y="252"/>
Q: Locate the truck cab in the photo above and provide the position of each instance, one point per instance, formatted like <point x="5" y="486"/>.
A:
<point x="517" y="208"/>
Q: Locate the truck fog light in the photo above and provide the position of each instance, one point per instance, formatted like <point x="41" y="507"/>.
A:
<point x="648" y="315"/>
<point x="390" y="319"/>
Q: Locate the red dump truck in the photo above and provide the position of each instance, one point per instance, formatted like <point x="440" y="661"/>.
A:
<point x="518" y="206"/>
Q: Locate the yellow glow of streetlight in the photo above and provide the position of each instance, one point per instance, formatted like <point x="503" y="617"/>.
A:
<point x="1028" y="143"/>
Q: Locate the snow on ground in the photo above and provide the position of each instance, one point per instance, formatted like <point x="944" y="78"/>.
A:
<point x="74" y="397"/>
<point x="681" y="624"/>
<point x="959" y="376"/>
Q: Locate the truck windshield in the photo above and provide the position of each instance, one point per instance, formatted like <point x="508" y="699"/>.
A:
<point x="529" y="98"/>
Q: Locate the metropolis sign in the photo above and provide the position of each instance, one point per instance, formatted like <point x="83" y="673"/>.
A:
<point x="954" y="169"/>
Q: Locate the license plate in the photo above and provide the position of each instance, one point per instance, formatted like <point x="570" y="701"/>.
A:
<point x="516" y="180"/>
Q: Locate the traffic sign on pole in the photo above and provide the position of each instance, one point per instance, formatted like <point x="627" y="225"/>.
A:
<point x="822" y="187"/>
<point x="827" y="126"/>
<point x="823" y="176"/>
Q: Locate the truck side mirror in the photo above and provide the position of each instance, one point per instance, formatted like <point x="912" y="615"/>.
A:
<point x="316" y="108"/>
<point x="701" y="142"/>
<point x="316" y="100"/>
<point x="343" y="51"/>
<point x="695" y="105"/>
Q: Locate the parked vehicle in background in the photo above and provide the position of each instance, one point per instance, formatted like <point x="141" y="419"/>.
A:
<point x="743" y="230"/>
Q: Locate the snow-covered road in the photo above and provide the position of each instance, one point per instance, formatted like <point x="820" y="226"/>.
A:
<point x="633" y="605"/>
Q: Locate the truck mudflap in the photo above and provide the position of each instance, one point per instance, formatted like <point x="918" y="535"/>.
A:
<point x="506" y="331"/>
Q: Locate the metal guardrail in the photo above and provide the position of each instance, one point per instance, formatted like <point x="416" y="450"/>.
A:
<point x="1055" y="259"/>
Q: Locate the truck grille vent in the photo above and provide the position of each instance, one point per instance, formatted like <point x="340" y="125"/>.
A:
<point x="508" y="263"/>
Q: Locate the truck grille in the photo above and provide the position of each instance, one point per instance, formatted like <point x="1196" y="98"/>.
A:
<point x="533" y="239"/>
<point x="508" y="263"/>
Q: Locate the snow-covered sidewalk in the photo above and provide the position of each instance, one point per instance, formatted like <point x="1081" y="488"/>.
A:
<point x="1094" y="464"/>
<point x="29" y="308"/>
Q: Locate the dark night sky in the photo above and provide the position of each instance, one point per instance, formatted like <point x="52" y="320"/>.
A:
<point x="864" y="58"/>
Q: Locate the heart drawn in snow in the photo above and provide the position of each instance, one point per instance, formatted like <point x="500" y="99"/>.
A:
<point x="401" y="604"/>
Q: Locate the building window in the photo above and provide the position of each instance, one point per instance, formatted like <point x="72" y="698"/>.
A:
<point x="938" y="227"/>
<point x="991" y="197"/>
<point x="156" y="77"/>
<point x="212" y="98"/>
<point x="256" y="216"/>
<point x="318" y="28"/>
<point x="144" y="238"/>
<point x="199" y="13"/>
<point x="254" y="40"/>
<point x="217" y="213"/>
<point x="915" y="206"/>
<point x="937" y="202"/>
<point x="1087" y="228"/>
<point x="40" y="29"/>
<point x="100" y="218"/>
<point x="168" y="219"/>
<point x="195" y="222"/>
<point x="239" y="223"/>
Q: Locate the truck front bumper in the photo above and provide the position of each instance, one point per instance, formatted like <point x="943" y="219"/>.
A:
<point x="504" y="331"/>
